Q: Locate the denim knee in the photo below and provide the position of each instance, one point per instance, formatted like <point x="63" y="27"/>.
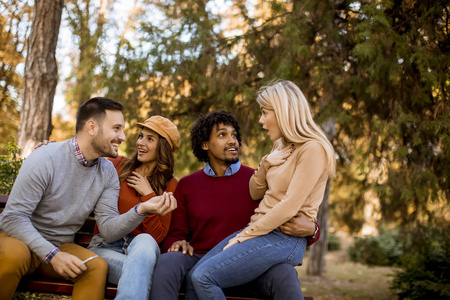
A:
<point x="198" y="277"/>
<point x="144" y="243"/>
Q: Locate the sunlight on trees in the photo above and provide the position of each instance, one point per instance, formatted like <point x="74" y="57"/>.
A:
<point x="377" y="69"/>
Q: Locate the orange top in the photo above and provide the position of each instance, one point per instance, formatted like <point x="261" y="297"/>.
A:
<point x="155" y="225"/>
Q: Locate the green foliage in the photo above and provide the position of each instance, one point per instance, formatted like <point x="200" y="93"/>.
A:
<point x="14" y="20"/>
<point x="382" y="250"/>
<point x="10" y="164"/>
<point x="381" y="74"/>
<point x="425" y="269"/>
<point x="334" y="242"/>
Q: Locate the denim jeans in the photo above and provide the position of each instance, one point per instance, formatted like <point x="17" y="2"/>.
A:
<point x="241" y="263"/>
<point x="130" y="263"/>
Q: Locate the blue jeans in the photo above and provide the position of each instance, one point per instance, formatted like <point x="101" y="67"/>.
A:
<point x="130" y="262"/>
<point x="279" y="282"/>
<point x="241" y="263"/>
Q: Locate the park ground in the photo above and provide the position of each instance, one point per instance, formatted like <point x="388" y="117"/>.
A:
<point x="346" y="280"/>
<point x="343" y="280"/>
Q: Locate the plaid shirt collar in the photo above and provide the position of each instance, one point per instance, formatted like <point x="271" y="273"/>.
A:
<point x="79" y="155"/>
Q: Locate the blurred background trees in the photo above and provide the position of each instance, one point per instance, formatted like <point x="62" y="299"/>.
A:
<point x="40" y="76"/>
<point x="15" y="21"/>
<point x="376" y="73"/>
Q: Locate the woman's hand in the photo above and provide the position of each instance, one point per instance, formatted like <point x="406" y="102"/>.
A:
<point x="280" y="156"/>
<point x="231" y="242"/>
<point x="139" y="183"/>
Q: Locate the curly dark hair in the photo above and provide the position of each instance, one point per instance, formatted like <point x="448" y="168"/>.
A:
<point x="202" y="129"/>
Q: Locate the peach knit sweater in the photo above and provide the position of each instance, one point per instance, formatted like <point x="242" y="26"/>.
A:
<point x="294" y="187"/>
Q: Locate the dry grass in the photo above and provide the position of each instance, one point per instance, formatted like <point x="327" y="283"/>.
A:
<point x="344" y="280"/>
<point x="347" y="280"/>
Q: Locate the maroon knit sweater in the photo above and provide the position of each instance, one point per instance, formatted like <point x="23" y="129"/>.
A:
<point x="210" y="209"/>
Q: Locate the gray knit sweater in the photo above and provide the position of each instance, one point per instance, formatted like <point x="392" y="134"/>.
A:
<point x="54" y="194"/>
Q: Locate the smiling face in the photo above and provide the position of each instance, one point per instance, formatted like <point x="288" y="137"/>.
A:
<point x="109" y="135"/>
<point x="222" y="146"/>
<point x="146" y="145"/>
<point x="269" y="123"/>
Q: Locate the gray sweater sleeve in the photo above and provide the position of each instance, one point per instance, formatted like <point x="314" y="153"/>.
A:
<point x="111" y="224"/>
<point x="30" y="185"/>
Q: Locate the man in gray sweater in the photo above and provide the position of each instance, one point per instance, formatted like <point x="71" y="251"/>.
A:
<point x="57" y="188"/>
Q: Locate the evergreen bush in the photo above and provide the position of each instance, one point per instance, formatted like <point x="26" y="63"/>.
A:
<point x="382" y="250"/>
<point x="425" y="269"/>
<point x="334" y="242"/>
<point x="10" y="164"/>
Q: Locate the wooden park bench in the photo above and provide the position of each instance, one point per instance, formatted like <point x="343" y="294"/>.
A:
<point x="38" y="283"/>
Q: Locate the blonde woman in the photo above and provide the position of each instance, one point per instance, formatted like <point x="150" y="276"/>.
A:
<point x="291" y="180"/>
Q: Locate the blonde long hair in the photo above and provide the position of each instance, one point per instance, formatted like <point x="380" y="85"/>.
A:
<point x="294" y="116"/>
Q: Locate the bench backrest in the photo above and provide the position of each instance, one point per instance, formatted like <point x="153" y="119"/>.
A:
<point x="82" y="237"/>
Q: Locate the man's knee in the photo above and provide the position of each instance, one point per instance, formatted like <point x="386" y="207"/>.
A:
<point x="15" y="256"/>
<point x="279" y="277"/>
<point x="173" y="265"/>
<point x="99" y="264"/>
<point x="97" y="268"/>
<point x="172" y="259"/>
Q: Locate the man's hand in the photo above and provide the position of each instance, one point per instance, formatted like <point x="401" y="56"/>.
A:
<point x="280" y="156"/>
<point x="299" y="226"/>
<point x="67" y="265"/>
<point x="43" y="143"/>
<point x="184" y="245"/>
<point x="160" y="205"/>
<point x="139" y="183"/>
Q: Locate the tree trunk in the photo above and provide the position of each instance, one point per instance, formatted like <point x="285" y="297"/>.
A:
<point x="316" y="256"/>
<point x="41" y="75"/>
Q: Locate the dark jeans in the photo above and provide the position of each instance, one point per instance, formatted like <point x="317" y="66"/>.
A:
<point x="279" y="282"/>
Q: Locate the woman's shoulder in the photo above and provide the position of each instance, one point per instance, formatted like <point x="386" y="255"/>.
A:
<point x="311" y="153"/>
<point x="118" y="162"/>
<point x="312" y="145"/>
<point x="172" y="185"/>
<point x="311" y="148"/>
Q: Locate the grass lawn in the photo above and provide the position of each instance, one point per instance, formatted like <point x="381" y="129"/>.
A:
<point x="344" y="280"/>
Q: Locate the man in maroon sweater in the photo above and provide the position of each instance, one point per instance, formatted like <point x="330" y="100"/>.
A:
<point x="213" y="203"/>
